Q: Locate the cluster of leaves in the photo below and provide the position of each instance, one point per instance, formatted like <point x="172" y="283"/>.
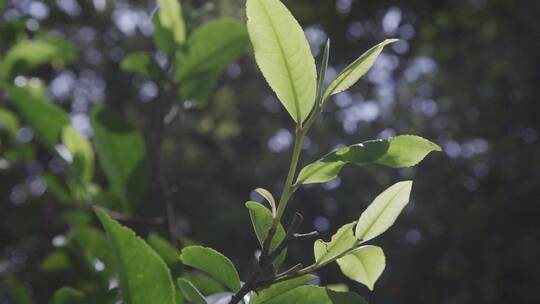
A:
<point x="153" y="271"/>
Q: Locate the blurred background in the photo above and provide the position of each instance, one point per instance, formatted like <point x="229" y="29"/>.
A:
<point x="465" y="75"/>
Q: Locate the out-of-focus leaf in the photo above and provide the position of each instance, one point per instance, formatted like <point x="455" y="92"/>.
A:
<point x="190" y="292"/>
<point x="342" y="241"/>
<point x="9" y="122"/>
<point x="170" y="18"/>
<point x="166" y="251"/>
<point x="139" y="63"/>
<point x="212" y="262"/>
<point x="395" y="152"/>
<point x="200" y="66"/>
<point x="262" y="219"/>
<point x="364" y="265"/>
<point x="95" y="247"/>
<point x="81" y="151"/>
<point x="280" y="288"/>
<point x="355" y="70"/>
<point x="55" y="261"/>
<point x="29" y="54"/>
<point x="316" y="295"/>
<point x="283" y="55"/>
<point x="57" y="188"/>
<point x="383" y="211"/>
<point x="46" y="119"/>
<point x="122" y="155"/>
<point x="68" y="295"/>
<point x="144" y="276"/>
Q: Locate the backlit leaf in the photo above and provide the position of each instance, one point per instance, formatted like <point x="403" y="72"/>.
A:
<point x="342" y="241"/>
<point x="364" y="265"/>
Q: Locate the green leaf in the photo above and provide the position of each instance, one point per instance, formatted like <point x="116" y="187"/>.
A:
<point x="355" y="70"/>
<point x="205" y="284"/>
<point x="192" y="294"/>
<point x="46" y="119"/>
<point x="95" y="246"/>
<point x="383" y="211"/>
<point x="283" y="55"/>
<point x="280" y="288"/>
<point x="198" y="69"/>
<point x="122" y="154"/>
<point x="139" y="63"/>
<point x="342" y="241"/>
<point x="316" y="295"/>
<point x="322" y="70"/>
<point x="68" y="295"/>
<point x="144" y="277"/>
<point x="57" y="260"/>
<point x="29" y="54"/>
<point x="9" y="122"/>
<point x="170" y="17"/>
<point x="395" y="152"/>
<point x="162" y="247"/>
<point x="268" y="197"/>
<point x="262" y="219"/>
<point x="364" y="265"/>
<point x="81" y="151"/>
<point x="212" y="262"/>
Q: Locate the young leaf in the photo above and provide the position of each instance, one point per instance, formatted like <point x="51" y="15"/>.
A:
<point x="395" y="152"/>
<point x="192" y="294"/>
<point x="198" y="69"/>
<point x="283" y="55"/>
<point x="355" y="70"/>
<point x="170" y="18"/>
<point x="81" y="151"/>
<point x="364" y="265"/>
<point x="29" y="54"/>
<point x="68" y="295"/>
<point x="316" y="295"/>
<point x="46" y="119"/>
<point x="212" y="262"/>
<point x="383" y="211"/>
<point x="275" y="290"/>
<point x="121" y="153"/>
<point x="342" y="241"/>
<point x="140" y="63"/>
<point x="268" y="197"/>
<point x="262" y="219"/>
<point x="144" y="277"/>
<point x="322" y="70"/>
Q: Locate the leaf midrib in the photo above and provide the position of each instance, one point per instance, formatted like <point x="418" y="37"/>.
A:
<point x="280" y="46"/>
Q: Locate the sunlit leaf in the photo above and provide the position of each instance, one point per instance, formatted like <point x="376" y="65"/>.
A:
<point x="262" y="219"/>
<point x="29" y="54"/>
<point x="122" y="154"/>
<point x="46" y="119"/>
<point x="82" y="153"/>
<point x="342" y="241"/>
<point x="190" y="292"/>
<point x="277" y="289"/>
<point x="200" y="66"/>
<point x="355" y="70"/>
<point x="144" y="276"/>
<point x="316" y="295"/>
<point x="383" y="211"/>
<point x="364" y="265"/>
<point x="170" y="17"/>
<point x="212" y="262"/>
<point x="283" y="55"/>
<point x="395" y="152"/>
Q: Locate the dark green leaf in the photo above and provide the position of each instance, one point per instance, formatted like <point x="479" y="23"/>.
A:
<point x="57" y="260"/>
<point x="395" y="152"/>
<point x="190" y="292"/>
<point x="144" y="277"/>
<point x="9" y="122"/>
<point x="122" y="154"/>
<point x="316" y="295"/>
<point x="46" y="119"/>
<point x="275" y="290"/>
<point x="261" y="218"/>
<point x="68" y="295"/>
<point x="212" y="262"/>
<point x="204" y="283"/>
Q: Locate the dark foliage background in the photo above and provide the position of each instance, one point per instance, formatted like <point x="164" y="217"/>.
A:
<point x="464" y="75"/>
